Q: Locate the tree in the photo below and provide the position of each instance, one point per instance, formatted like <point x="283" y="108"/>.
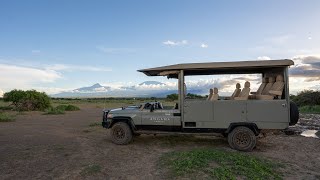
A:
<point x="194" y="96"/>
<point x="172" y="97"/>
<point x="27" y="100"/>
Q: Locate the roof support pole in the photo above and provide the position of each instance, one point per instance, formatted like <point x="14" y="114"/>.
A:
<point x="286" y="89"/>
<point x="181" y="89"/>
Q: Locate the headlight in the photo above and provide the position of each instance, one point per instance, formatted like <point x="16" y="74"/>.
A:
<point x="109" y="116"/>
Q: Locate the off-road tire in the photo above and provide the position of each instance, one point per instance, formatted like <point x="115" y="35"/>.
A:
<point x="242" y="138"/>
<point x="121" y="133"/>
<point x="294" y="114"/>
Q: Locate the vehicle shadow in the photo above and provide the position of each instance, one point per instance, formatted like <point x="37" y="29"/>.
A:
<point x="174" y="140"/>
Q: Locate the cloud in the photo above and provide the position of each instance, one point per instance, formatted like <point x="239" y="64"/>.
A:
<point x="26" y="75"/>
<point x="305" y="74"/>
<point x="69" y="67"/>
<point x="204" y="45"/>
<point x="13" y="76"/>
<point x="264" y="58"/>
<point x="116" y="50"/>
<point x="175" y="43"/>
<point x="307" y="67"/>
<point x="35" y="51"/>
<point x="51" y="90"/>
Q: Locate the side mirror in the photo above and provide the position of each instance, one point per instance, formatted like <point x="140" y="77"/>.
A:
<point x="152" y="108"/>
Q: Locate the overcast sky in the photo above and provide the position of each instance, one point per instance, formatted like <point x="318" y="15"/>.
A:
<point x="61" y="45"/>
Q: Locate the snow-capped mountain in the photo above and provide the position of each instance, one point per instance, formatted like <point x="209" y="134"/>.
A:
<point x="144" y="89"/>
<point x="94" y="88"/>
<point x="151" y="83"/>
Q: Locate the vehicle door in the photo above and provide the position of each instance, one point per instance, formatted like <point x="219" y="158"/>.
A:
<point x="156" y="116"/>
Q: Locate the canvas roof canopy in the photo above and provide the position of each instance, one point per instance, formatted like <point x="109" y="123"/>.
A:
<point x="211" y="68"/>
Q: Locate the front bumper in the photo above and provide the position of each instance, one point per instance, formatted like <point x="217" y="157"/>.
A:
<point x="105" y="122"/>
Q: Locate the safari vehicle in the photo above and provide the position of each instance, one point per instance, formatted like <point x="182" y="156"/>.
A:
<point x="240" y="117"/>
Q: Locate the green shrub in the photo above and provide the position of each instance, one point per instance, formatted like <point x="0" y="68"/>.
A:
<point x="310" y="109"/>
<point x="195" y="96"/>
<point x="6" y="117"/>
<point x="54" y="111"/>
<point x="29" y="100"/>
<point x="72" y="108"/>
<point x="172" y="97"/>
<point x="68" y="107"/>
<point x="306" y="98"/>
<point x="5" y="108"/>
<point x="60" y="109"/>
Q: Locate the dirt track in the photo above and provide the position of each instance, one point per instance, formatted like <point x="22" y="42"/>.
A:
<point x="39" y="146"/>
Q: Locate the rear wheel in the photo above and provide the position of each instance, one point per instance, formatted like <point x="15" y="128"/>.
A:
<point x="242" y="138"/>
<point x="294" y="114"/>
<point x="121" y="133"/>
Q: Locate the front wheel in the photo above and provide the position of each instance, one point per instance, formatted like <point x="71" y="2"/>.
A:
<point x="121" y="133"/>
<point x="242" y="138"/>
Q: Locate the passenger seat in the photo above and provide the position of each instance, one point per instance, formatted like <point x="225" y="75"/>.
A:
<point x="244" y="95"/>
<point x="268" y="86"/>
<point x="236" y="92"/>
<point x="275" y="90"/>
<point x="262" y="86"/>
<point x="215" y="95"/>
<point x="210" y="94"/>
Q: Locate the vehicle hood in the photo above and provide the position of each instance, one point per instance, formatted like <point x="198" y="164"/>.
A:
<point x="122" y="110"/>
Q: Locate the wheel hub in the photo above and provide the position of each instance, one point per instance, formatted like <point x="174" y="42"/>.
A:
<point x="119" y="133"/>
<point x="242" y="139"/>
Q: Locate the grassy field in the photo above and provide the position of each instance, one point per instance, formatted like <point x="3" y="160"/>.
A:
<point x="219" y="164"/>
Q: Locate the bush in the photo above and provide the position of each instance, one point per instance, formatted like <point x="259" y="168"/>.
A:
<point x="61" y="109"/>
<point x="68" y="107"/>
<point x="72" y="108"/>
<point x="6" y="117"/>
<point x="307" y="98"/>
<point x="172" y="97"/>
<point x="194" y="96"/>
<point x="54" y="111"/>
<point x="6" y="108"/>
<point x="30" y="100"/>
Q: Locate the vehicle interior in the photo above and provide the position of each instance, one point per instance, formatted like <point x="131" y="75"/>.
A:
<point x="271" y="88"/>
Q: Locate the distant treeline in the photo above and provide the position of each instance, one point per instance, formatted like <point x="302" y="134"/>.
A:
<point x="107" y="98"/>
